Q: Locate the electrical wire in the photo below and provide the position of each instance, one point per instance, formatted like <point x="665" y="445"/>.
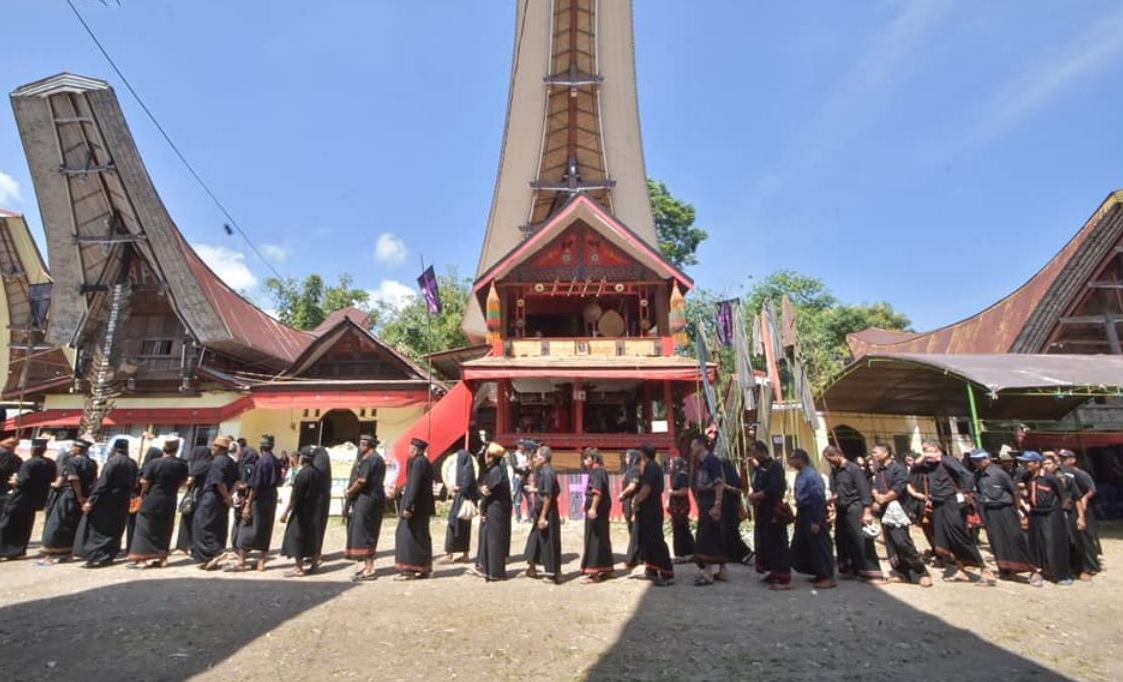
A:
<point x="168" y="139"/>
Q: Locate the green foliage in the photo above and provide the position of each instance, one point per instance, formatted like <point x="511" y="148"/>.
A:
<point x="674" y="225"/>
<point x="823" y="322"/>
<point x="305" y="304"/>
<point x="410" y="330"/>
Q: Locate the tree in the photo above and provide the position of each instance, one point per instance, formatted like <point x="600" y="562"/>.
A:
<point x="304" y="305"/>
<point x="674" y="225"/>
<point x="822" y="321"/>
<point x="414" y="332"/>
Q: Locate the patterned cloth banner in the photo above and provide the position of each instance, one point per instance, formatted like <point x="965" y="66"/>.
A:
<point x="725" y="313"/>
<point x="428" y="283"/>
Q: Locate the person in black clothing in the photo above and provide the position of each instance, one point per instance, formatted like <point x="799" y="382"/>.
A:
<point x="210" y="528"/>
<point x="413" y="547"/>
<point x="890" y="489"/>
<point x="160" y="481"/>
<point x="367" y="503"/>
<point x="997" y="497"/>
<point x="1048" y="534"/>
<point x="852" y="501"/>
<point x="246" y="458"/>
<point x="543" y="546"/>
<point x="732" y="509"/>
<point x="98" y="538"/>
<point x="458" y="533"/>
<point x="945" y="483"/>
<point x="1089" y="536"/>
<point x="9" y="466"/>
<point x="198" y="465"/>
<point x="302" y="516"/>
<point x="773" y="554"/>
<point x="495" y="517"/>
<point x="628" y="490"/>
<point x="710" y="553"/>
<point x="259" y="506"/>
<point x="596" y="560"/>
<point x="322" y="461"/>
<point x="74" y="483"/>
<point x="29" y="495"/>
<point x="678" y="507"/>
<point x="649" y="518"/>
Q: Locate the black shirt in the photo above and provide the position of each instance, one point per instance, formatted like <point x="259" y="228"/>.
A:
<point x="893" y="477"/>
<point x="849" y="484"/>
<point x="995" y="487"/>
<point x="947" y="478"/>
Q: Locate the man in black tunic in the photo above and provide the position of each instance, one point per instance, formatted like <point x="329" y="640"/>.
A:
<point x="322" y="461"/>
<point x="944" y="484"/>
<point x="29" y="495"/>
<point x="597" y="562"/>
<point x="678" y="506"/>
<point x="9" y="466"/>
<point x="458" y="534"/>
<point x="850" y="495"/>
<point x="1086" y="519"/>
<point x="73" y="485"/>
<point x="709" y="547"/>
<point x="773" y="554"/>
<point x="890" y="490"/>
<point x="629" y="488"/>
<point x="210" y="527"/>
<point x="1048" y="533"/>
<point x="413" y="546"/>
<point x="731" y="508"/>
<point x="495" y="517"/>
<point x="98" y="539"/>
<point x="997" y="497"/>
<point x="543" y="546"/>
<point x="367" y="500"/>
<point x="649" y="518"/>
<point x="302" y="533"/>
<point x="259" y="507"/>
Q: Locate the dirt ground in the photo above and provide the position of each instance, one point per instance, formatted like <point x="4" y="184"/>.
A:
<point x="69" y="623"/>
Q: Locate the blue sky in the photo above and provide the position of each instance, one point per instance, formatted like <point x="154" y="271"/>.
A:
<point x="930" y="153"/>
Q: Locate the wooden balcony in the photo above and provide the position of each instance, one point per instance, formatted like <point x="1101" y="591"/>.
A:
<point x="592" y="347"/>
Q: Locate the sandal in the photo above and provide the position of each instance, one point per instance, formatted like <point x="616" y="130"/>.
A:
<point x="364" y="577"/>
<point x="295" y="573"/>
<point x="955" y="579"/>
<point x="236" y="568"/>
<point x="591" y="579"/>
<point x="702" y="582"/>
<point x="405" y="576"/>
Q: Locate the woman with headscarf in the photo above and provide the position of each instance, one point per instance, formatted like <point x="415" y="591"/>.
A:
<point x="198" y="464"/>
<point x="495" y="516"/>
<point x="303" y="535"/>
<point x="160" y="481"/>
<point x="98" y="539"/>
<point x="630" y="487"/>
<point x="458" y="535"/>
<point x="597" y="562"/>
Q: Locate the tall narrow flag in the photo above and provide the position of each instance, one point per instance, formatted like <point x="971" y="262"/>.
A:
<point x="428" y="283"/>
<point x="725" y="321"/>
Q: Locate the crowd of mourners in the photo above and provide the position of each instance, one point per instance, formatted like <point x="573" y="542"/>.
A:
<point x="1035" y="509"/>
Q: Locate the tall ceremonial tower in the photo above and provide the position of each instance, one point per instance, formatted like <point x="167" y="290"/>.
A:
<point x="572" y="126"/>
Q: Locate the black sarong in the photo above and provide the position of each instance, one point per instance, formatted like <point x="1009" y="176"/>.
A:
<point x="495" y="524"/>
<point x="15" y="531"/>
<point x="413" y="545"/>
<point x="458" y="533"/>
<point x="258" y="533"/>
<point x="856" y="552"/>
<point x="209" y="530"/>
<point x="811" y="552"/>
<point x="950" y="536"/>
<point x="649" y="519"/>
<point x="597" y="555"/>
<point x="903" y="555"/>
<point x="322" y="463"/>
<point x="302" y="538"/>
<point x="364" y="526"/>
<point x="1048" y="543"/>
<point x="1007" y="540"/>
<point x="61" y="525"/>
<point x="156" y="518"/>
<point x="98" y="538"/>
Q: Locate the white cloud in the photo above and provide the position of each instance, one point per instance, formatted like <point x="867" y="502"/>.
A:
<point x="1097" y="47"/>
<point x="392" y="293"/>
<point x="9" y="190"/>
<point x="275" y="252"/>
<point x="389" y="250"/>
<point x="228" y="264"/>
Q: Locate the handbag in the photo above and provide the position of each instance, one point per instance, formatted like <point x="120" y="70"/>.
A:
<point x="783" y="513"/>
<point x="468" y="511"/>
<point x="187" y="504"/>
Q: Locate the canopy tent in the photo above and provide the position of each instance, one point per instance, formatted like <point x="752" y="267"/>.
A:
<point x="1004" y="386"/>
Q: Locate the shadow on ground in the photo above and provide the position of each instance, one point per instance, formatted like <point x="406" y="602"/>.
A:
<point x="172" y="629"/>
<point x="741" y="630"/>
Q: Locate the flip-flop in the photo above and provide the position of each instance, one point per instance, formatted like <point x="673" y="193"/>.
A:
<point x="401" y="577"/>
<point x="364" y="577"/>
<point x="293" y="573"/>
<point x="234" y="569"/>
<point x="702" y="582"/>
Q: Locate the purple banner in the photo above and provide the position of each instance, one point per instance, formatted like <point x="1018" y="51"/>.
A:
<point x="428" y="283"/>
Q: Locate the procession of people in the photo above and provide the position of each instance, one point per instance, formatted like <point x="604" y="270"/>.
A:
<point x="1038" y="520"/>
